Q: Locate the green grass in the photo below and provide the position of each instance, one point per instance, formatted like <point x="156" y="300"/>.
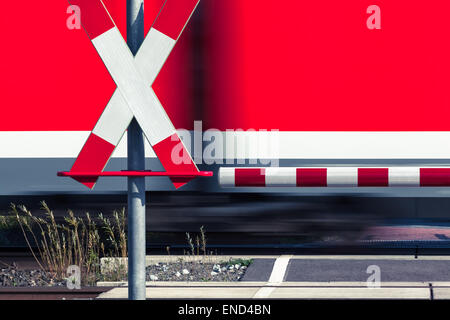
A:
<point x="242" y="262"/>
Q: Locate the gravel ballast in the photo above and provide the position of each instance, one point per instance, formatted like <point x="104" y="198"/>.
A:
<point x="195" y="271"/>
<point x="11" y="276"/>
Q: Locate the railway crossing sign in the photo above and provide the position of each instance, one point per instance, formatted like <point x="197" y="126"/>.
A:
<point x="134" y="96"/>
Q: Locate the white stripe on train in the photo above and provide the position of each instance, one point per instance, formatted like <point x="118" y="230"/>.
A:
<point x="292" y="145"/>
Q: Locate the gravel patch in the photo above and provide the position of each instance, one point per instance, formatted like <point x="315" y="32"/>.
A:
<point x="11" y="276"/>
<point x="196" y="271"/>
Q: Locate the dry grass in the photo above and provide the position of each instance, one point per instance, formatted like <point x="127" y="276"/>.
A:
<point x="197" y="248"/>
<point x="78" y="241"/>
<point x="83" y="241"/>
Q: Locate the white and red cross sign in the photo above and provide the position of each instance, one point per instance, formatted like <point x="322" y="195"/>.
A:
<point x="134" y="96"/>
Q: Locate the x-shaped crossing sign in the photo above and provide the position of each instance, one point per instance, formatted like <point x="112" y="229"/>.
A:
<point x="134" y="96"/>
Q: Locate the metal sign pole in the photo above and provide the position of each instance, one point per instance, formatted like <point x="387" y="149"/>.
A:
<point x="136" y="161"/>
<point x="132" y="77"/>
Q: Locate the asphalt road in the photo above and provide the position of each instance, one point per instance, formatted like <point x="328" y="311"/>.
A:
<point x="260" y="270"/>
<point x="352" y="270"/>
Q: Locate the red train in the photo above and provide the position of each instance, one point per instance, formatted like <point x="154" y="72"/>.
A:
<point x="296" y="83"/>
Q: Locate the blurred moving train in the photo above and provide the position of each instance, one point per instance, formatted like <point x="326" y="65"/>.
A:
<point x="291" y="83"/>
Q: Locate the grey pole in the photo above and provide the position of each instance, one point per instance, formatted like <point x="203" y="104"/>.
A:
<point x="136" y="161"/>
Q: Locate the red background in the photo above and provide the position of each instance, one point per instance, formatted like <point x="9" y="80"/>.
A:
<point x="289" y="65"/>
<point x="53" y="79"/>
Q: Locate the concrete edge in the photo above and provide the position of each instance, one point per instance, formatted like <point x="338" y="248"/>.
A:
<point x="368" y="257"/>
<point x="175" y="258"/>
<point x="308" y="293"/>
<point x="106" y="264"/>
<point x="282" y="284"/>
<point x="187" y="258"/>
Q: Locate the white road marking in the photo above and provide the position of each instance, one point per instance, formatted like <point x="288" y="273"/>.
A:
<point x="279" y="269"/>
<point x="276" y="277"/>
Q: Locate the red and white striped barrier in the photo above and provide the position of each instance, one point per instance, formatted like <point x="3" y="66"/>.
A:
<point x="335" y="177"/>
<point x="134" y="97"/>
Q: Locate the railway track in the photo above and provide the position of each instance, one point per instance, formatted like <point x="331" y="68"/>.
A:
<point x="24" y="260"/>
